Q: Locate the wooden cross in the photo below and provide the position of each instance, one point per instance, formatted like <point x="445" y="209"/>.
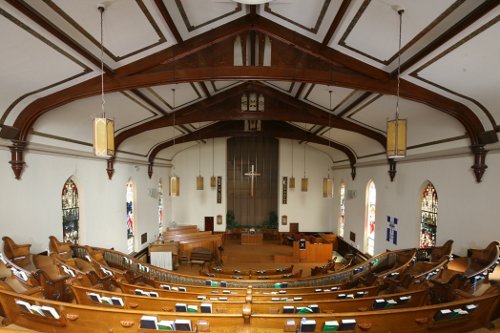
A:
<point x="252" y="174"/>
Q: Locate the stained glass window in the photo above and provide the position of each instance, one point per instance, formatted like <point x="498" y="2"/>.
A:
<point x="70" y="210"/>
<point x="428" y="223"/>
<point x="130" y="217"/>
<point x="370" y="218"/>
<point x="342" y="210"/>
<point x="160" y="206"/>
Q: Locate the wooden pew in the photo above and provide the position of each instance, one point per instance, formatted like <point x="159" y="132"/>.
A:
<point x="295" y="275"/>
<point x="362" y="303"/>
<point x="235" y="295"/>
<point x="184" y="236"/>
<point x="252" y="271"/>
<point x="258" y="296"/>
<point x="70" y="317"/>
<point x="416" y="320"/>
<point x="146" y="301"/>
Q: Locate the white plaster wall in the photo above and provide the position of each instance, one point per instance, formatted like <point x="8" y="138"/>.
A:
<point x="193" y="205"/>
<point x="309" y="209"/>
<point x="468" y="211"/>
<point x="31" y="207"/>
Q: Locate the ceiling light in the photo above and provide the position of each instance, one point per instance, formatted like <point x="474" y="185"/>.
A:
<point x="104" y="128"/>
<point x="252" y="2"/>
<point x="397" y="128"/>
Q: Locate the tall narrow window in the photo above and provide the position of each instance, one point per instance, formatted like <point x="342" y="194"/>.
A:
<point x="428" y="221"/>
<point x="160" y="206"/>
<point x="70" y="210"/>
<point x="342" y="210"/>
<point x="370" y="218"/>
<point x="130" y="217"/>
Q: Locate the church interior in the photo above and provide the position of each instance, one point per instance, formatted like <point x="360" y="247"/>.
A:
<point x="174" y="142"/>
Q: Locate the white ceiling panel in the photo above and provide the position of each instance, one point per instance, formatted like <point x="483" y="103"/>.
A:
<point x="74" y="120"/>
<point x="363" y="33"/>
<point x="425" y="124"/>
<point x="359" y="144"/>
<point x="311" y="18"/>
<point x="30" y="62"/>
<point x="143" y="143"/>
<point x="185" y="93"/>
<point x="121" y="38"/>
<point x="319" y="95"/>
<point x="470" y="68"/>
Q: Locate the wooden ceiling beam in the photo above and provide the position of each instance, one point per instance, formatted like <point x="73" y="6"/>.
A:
<point x="317" y="49"/>
<point x="408" y="90"/>
<point x="269" y="128"/>
<point x="226" y="106"/>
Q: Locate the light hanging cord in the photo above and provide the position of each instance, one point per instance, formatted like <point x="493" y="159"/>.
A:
<point x="101" y="9"/>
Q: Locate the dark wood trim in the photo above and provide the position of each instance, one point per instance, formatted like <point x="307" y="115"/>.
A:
<point x="336" y="21"/>
<point x="148" y="100"/>
<point x="460" y="26"/>
<point x="355" y="103"/>
<point x="314" y="29"/>
<point x="204" y="87"/>
<point x="51" y="28"/>
<point x="414" y="40"/>
<point x="168" y="19"/>
<point x="116" y="58"/>
<point x="191" y="27"/>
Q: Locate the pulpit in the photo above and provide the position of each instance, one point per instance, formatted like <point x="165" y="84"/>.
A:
<point x="251" y="238"/>
<point x="164" y="255"/>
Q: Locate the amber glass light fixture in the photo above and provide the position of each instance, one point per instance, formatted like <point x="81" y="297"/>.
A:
<point x="328" y="182"/>
<point x="304" y="182"/>
<point x="397" y="127"/>
<point x="199" y="179"/>
<point x="103" y="127"/>
<point x="291" y="183"/>
<point x="213" y="179"/>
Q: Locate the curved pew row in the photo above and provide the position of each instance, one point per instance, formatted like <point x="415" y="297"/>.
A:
<point x="295" y="275"/>
<point x="54" y="316"/>
<point x="387" y="263"/>
<point x="257" y="294"/>
<point x="251" y="271"/>
<point x="146" y="300"/>
<point x="45" y="315"/>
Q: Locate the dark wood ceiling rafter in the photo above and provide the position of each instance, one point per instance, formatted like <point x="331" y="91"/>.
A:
<point x="281" y="107"/>
<point x="168" y="20"/>
<point x="27" y="10"/>
<point x="336" y="21"/>
<point x="269" y="128"/>
<point x="316" y="49"/>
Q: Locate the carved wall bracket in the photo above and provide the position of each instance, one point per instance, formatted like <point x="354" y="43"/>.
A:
<point x="353" y="172"/>
<point x="479" y="166"/>
<point x="110" y="169"/>
<point x="150" y="170"/>
<point x="392" y="169"/>
<point x="17" y="154"/>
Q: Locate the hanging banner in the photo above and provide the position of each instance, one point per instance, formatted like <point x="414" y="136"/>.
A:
<point x="392" y="230"/>
<point x="284" y="185"/>
<point x="219" y="189"/>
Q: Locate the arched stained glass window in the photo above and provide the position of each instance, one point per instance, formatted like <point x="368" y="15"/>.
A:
<point x="160" y="206"/>
<point x="428" y="223"/>
<point x="70" y="210"/>
<point x="370" y="218"/>
<point x="130" y="217"/>
<point x="342" y="210"/>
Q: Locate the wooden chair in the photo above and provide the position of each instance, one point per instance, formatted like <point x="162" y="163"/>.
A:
<point x="63" y="250"/>
<point x="19" y="254"/>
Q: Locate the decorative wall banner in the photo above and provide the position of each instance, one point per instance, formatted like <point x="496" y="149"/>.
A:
<point x="219" y="189"/>
<point x="284" y="186"/>
<point x="392" y="230"/>
<point x="219" y="219"/>
<point x="284" y="220"/>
